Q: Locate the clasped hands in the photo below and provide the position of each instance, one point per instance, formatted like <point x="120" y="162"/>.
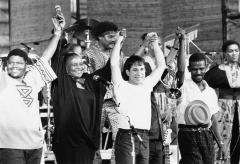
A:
<point x="59" y="23"/>
<point x="151" y="38"/>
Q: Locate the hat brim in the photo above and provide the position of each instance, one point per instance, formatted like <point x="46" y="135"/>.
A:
<point x="194" y="117"/>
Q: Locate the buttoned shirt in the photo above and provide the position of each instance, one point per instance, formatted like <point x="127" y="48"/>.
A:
<point x="191" y="92"/>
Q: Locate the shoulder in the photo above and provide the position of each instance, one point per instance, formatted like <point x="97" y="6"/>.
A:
<point x="215" y="70"/>
<point x="187" y="82"/>
<point x="215" y="75"/>
<point x="89" y="52"/>
<point x="211" y="90"/>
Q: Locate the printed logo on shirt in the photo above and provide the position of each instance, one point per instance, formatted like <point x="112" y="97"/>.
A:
<point x="25" y="93"/>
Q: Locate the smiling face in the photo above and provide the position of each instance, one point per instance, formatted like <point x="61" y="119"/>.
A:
<point x="197" y="70"/>
<point x="16" y="67"/>
<point x="76" y="66"/>
<point x="232" y="53"/>
<point x="136" y="73"/>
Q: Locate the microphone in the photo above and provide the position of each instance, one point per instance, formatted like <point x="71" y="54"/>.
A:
<point x="27" y="47"/>
<point x="58" y="10"/>
<point x="104" y="81"/>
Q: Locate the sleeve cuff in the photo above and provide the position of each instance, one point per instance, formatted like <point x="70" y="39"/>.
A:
<point x="45" y="70"/>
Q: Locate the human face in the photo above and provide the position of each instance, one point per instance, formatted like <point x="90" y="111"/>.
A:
<point x="197" y="70"/>
<point x="16" y="67"/>
<point x="76" y="66"/>
<point x="232" y="53"/>
<point x="108" y="40"/>
<point x="136" y="73"/>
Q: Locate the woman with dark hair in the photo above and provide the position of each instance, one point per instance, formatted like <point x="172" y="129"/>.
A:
<point x="226" y="79"/>
<point x="77" y="103"/>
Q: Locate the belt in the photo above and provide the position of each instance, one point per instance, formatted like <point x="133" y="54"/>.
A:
<point x="129" y="130"/>
<point x="193" y="128"/>
<point x="230" y="93"/>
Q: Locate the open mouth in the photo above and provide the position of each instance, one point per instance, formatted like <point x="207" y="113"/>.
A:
<point x="139" y="78"/>
<point x="15" y="70"/>
<point x="199" y="77"/>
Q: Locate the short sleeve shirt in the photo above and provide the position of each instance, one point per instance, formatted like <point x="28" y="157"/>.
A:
<point x="134" y="104"/>
<point x="20" y="124"/>
<point x="191" y="92"/>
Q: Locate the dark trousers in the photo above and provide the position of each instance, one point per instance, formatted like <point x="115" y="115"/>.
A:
<point x="73" y="155"/>
<point x="123" y="148"/>
<point x="235" y="141"/>
<point x="19" y="156"/>
<point x="155" y="152"/>
<point x="196" y="147"/>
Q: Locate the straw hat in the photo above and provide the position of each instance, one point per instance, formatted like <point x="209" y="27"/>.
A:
<point x="196" y="113"/>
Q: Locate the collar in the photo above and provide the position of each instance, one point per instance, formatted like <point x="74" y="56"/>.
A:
<point x="205" y="84"/>
<point x="79" y="80"/>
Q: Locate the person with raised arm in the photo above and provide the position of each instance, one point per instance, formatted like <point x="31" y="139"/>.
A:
<point x="78" y="98"/>
<point x="134" y="97"/>
<point x="159" y="114"/>
<point x="196" y="114"/>
<point x="22" y="136"/>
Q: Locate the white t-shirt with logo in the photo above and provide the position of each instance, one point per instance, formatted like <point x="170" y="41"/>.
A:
<point x="20" y="124"/>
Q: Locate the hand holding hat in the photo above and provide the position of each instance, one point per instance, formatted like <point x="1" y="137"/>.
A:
<point x="197" y="113"/>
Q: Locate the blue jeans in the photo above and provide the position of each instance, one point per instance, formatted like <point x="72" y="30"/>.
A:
<point x="123" y="148"/>
<point x="155" y="152"/>
<point x="19" y="156"/>
<point x="196" y="147"/>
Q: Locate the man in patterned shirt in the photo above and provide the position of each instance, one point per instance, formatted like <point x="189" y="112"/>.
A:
<point x="99" y="51"/>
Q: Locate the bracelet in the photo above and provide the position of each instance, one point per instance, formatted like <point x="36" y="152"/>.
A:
<point x="58" y="33"/>
<point x="176" y="48"/>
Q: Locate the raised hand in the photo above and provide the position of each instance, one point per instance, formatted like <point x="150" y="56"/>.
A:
<point x="121" y="36"/>
<point x="180" y="33"/>
<point x="59" y="21"/>
<point x="153" y="38"/>
<point x="123" y="33"/>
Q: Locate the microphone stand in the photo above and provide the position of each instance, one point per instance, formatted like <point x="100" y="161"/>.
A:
<point x="132" y="134"/>
<point x="49" y="145"/>
<point x="87" y="41"/>
<point x="133" y="148"/>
